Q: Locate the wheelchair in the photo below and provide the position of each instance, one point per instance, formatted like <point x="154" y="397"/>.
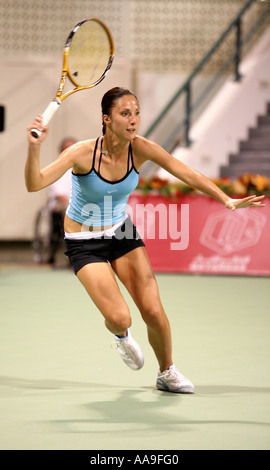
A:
<point x="48" y="235"/>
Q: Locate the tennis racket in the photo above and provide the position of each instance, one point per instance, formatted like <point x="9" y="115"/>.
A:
<point x="88" y="56"/>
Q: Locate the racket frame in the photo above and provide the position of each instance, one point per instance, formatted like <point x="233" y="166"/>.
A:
<point x="60" y="97"/>
<point x="65" y="70"/>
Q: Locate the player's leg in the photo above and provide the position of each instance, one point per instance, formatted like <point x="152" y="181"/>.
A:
<point x="135" y="271"/>
<point x="100" y="283"/>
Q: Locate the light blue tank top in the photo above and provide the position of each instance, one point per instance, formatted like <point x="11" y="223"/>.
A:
<point x="98" y="202"/>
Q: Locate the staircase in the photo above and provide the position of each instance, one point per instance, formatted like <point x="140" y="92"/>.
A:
<point x="254" y="153"/>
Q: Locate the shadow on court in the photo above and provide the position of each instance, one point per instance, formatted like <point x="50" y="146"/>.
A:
<point x="52" y="384"/>
<point x="131" y="410"/>
<point x="129" y="418"/>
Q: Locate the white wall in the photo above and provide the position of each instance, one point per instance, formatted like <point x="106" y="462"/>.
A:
<point x="226" y="120"/>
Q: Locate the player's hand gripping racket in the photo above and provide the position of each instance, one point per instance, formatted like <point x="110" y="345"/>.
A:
<point x="88" y="56"/>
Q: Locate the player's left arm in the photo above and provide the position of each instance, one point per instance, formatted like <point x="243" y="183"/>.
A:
<point x="147" y="150"/>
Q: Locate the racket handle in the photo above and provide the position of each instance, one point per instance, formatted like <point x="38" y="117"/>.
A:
<point x="46" y="116"/>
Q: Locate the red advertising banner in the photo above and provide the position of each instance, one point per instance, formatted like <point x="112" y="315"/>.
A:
<point x="197" y="234"/>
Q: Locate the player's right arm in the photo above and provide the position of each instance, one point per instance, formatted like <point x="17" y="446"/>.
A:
<point x="37" y="178"/>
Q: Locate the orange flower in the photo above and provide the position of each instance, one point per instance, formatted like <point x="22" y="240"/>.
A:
<point x="246" y="179"/>
<point x="157" y="183"/>
<point x="239" y="187"/>
<point x="260" y="182"/>
<point x="225" y="180"/>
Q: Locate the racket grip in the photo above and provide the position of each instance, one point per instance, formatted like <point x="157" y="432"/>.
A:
<point x="46" y="116"/>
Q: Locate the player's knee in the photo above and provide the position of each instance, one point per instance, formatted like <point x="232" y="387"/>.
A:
<point x="120" y="320"/>
<point x="153" y="314"/>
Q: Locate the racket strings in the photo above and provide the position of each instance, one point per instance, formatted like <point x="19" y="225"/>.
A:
<point x="89" y="54"/>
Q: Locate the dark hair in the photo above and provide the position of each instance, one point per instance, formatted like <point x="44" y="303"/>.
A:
<point x="109" y="99"/>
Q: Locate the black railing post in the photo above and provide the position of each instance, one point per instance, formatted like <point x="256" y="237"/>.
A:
<point x="188" y="113"/>
<point x="238" y="76"/>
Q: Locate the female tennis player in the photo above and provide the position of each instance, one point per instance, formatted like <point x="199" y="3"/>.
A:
<point x="101" y="239"/>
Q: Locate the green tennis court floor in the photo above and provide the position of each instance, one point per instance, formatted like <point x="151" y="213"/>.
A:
<point x="63" y="387"/>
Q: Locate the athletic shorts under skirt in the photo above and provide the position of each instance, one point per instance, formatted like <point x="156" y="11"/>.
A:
<point x="108" y="246"/>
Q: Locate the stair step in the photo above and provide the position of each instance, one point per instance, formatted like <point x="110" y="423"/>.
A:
<point x="244" y="157"/>
<point x="256" y="143"/>
<point x="253" y="166"/>
<point x="263" y="120"/>
<point x="234" y="171"/>
<point x="253" y="154"/>
<point x="261" y="131"/>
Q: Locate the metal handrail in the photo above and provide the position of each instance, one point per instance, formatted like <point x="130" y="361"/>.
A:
<point x="236" y="56"/>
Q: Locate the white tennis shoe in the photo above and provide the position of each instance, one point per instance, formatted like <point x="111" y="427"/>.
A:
<point x="129" y="351"/>
<point x="172" y="381"/>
